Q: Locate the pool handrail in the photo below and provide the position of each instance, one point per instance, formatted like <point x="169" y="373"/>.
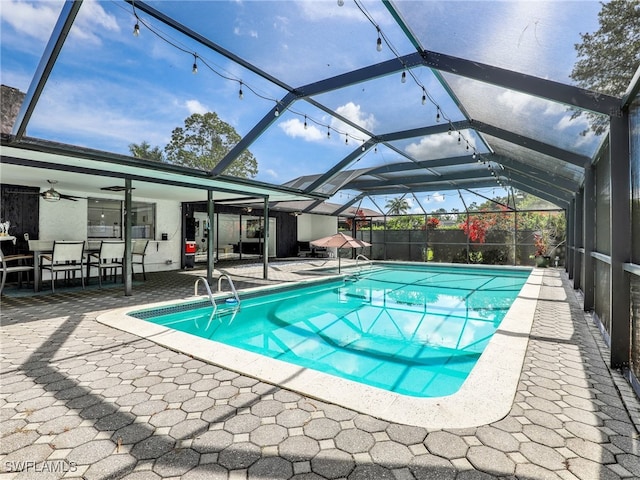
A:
<point x="361" y="256"/>
<point x="206" y="285"/>
<point x="233" y="288"/>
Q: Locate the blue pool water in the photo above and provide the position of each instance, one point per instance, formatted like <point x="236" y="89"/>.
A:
<point x="414" y="330"/>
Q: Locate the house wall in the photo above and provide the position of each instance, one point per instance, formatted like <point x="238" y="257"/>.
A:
<point x="67" y="220"/>
<point x="312" y="227"/>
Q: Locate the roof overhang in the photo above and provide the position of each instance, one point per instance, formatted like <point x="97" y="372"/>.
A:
<point x="33" y="162"/>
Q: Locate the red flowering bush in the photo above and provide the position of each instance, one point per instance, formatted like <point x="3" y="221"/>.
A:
<point x="476" y="228"/>
<point x="433" y="222"/>
<point x="540" y="244"/>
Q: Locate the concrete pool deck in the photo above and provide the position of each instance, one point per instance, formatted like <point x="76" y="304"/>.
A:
<point x="80" y="399"/>
<point x="492" y="383"/>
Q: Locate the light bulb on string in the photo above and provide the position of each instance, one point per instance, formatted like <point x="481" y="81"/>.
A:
<point x="403" y="78"/>
<point x="194" y="69"/>
<point x="379" y="41"/>
<point x="346" y="138"/>
<point x="240" y="94"/>
<point x="424" y="96"/>
<point x="276" y="112"/>
<point x="450" y="130"/>
<point x="340" y="3"/>
<point x="438" y="114"/>
<point x="136" y="28"/>
<point x="328" y="132"/>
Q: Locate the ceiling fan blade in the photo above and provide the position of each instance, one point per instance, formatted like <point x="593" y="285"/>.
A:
<point x="70" y="197"/>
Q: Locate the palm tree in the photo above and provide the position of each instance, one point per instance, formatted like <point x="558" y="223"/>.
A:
<point x="397" y="206"/>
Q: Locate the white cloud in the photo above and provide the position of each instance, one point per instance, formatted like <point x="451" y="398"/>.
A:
<point x="441" y="145"/>
<point x="270" y="173"/>
<point x="239" y="32"/>
<point x="35" y="20"/>
<point x="194" y="106"/>
<point x="92" y="18"/>
<point x="353" y="112"/>
<point x="295" y="128"/>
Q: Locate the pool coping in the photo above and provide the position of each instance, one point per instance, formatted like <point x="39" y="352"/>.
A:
<point x="485" y="397"/>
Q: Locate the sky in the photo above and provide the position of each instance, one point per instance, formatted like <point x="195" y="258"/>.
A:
<point x="110" y="88"/>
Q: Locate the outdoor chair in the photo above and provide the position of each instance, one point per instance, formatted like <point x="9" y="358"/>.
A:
<point x="138" y="254"/>
<point x="15" y="264"/>
<point x="110" y="258"/>
<point x="67" y="257"/>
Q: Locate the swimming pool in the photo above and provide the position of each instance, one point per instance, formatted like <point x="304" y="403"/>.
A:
<point x="412" y="330"/>
<point x="383" y="326"/>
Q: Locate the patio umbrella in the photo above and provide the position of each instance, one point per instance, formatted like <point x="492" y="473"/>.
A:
<point x="340" y="240"/>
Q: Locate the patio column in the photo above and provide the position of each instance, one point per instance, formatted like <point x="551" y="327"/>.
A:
<point x="128" y="257"/>
<point x="620" y="236"/>
<point x="211" y="256"/>
<point x="588" y="237"/>
<point x="571" y="241"/>
<point x="265" y="240"/>
<point x="578" y="252"/>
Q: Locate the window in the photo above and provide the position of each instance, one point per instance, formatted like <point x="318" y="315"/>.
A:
<point x="105" y="219"/>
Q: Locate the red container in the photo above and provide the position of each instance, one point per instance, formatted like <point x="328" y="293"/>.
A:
<point x="190" y="247"/>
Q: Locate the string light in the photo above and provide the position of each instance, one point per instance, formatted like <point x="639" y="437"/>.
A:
<point x="424" y="96"/>
<point x="438" y="115"/>
<point x="200" y="60"/>
<point x="136" y="28"/>
<point x="403" y="79"/>
<point x="346" y="139"/>
<point x="379" y="41"/>
<point x="340" y="3"/>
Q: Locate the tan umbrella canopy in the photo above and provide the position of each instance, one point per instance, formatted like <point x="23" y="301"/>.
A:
<point x="340" y="240"/>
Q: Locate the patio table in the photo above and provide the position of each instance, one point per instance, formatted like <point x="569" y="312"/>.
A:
<point x="45" y="247"/>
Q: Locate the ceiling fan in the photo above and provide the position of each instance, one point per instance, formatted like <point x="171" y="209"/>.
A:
<point x="52" y="195"/>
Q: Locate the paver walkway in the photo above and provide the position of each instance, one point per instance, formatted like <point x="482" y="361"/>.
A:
<point x="81" y="400"/>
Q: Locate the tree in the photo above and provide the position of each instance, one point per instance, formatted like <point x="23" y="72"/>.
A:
<point x="397" y="206"/>
<point x="608" y="58"/>
<point x="204" y="141"/>
<point x="144" y="150"/>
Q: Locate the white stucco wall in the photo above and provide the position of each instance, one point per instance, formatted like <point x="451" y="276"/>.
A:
<point x="312" y="227"/>
<point x="67" y="220"/>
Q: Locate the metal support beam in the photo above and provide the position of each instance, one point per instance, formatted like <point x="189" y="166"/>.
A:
<point x="588" y="238"/>
<point x="520" y="82"/>
<point x="211" y="240"/>
<point x="338" y="211"/>
<point x="47" y="61"/>
<point x="128" y="256"/>
<point x="265" y="240"/>
<point x="251" y="137"/>
<point x="571" y="241"/>
<point x="620" y="240"/>
<point x="333" y="171"/>
<point x="532" y="144"/>
<point x="578" y="227"/>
